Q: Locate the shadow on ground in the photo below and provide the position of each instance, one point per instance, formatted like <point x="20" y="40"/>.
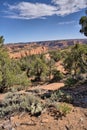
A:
<point x="78" y="94"/>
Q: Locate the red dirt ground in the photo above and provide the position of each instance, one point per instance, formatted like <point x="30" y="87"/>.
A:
<point x="75" y="120"/>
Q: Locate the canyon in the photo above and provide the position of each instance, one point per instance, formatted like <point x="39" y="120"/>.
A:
<point x="18" y="50"/>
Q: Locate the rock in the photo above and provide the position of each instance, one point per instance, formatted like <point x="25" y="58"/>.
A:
<point x="45" y="121"/>
<point x="7" y="126"/>
<point x="17" y="124"/>
<point x="81" y="119"/>
<point x="13" y="129"/>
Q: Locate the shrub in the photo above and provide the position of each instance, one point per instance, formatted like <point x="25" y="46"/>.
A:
<point x="55" y="55"/>
<point x="58" y="110"/>
<point x="57" y="75"/>
<point x="20" y="102"/>
<point x="36" y="109"/>
<point x="22" y="80"/>
<point x="61" y="96"/>
<point x="70" y="82"/>
<point x="64" y="109"/>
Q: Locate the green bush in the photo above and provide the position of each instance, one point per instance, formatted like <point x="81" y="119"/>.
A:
<point x="20" y="102"/>
<point x="55" y="55"/>
<point x="64" y="109"/>
<point x="58" y="110"/>
<point x="22" y="80"/>
<point x="70" y="82"/>
<point x="10" y="71"/>
<point x="61" y="96"/>
<point x="57" y="75"/>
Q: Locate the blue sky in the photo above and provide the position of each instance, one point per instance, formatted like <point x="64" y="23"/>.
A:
<point x="40" y="20"/>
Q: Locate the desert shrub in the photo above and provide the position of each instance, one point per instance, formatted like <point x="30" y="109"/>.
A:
<point x="76" y="61"/>
<point x="55" y="55"/>
<point x="54" y="97"/>
<point x="58" y="110"/>
<point x="70" y="82"/>
<point x="57" y="75"/>
<point x="64" y="109"/>
<point x="10" y="70"/>
<point x="36" y="109"/>
<point x="22" y="81"/>
<point x="37" y="91"/>
<point x="12" y="75"/>
<point x="20" y="102"/>
<point x="35" y="67"/>
<point x="61" y="96"/>
<point x="13" y="89"/>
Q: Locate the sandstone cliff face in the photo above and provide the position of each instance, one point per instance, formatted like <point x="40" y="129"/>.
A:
<point x="27" y="52"/>
<point x="24" y="49"/>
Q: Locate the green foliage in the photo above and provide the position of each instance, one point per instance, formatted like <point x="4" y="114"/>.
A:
<point x="61" y="96"/>
<point x="64" y="53"/>
<point x="70" y="82"/>
<point x="58" y="110"/>
<point x="20" y="78"/>
<point x="40" y="69"/>
<point x="64" y="109"/>
<point x="1" y="41"/>
<point x="82" y="20"/>
<point x="74" y="63"/>
<point x="20" y="102"/>
<point x="12" y="75"/>
<point x="51" y="67"/>
<point x="35" y="67"/>
<point x="57" y="76"/>
<point x="83" y="23"/>
<point x="36" y="109"/>
<point x="55" y="55"/>
<point x="21" y="81"/>
<point x="5" y="71"/>
<point x="10" y="71"/>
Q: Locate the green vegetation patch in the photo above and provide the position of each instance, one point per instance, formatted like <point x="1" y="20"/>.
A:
<point x="20" y="102"/>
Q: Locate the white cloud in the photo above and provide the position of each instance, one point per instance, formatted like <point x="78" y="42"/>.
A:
<point x="66" y="7"/>
<point x="27" y="10"/>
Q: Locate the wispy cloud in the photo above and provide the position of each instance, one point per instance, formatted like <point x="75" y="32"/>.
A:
<point x="67" y="22"/>
<point x="66" y="7"/>
<point x="27" y="10"/>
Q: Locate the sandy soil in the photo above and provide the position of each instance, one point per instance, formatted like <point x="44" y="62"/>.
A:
<point x="76" y="120"/>
<point x="52" y="86"/>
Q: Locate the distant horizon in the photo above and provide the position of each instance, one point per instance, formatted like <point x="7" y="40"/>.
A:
<point x="41" y="20"/>
<point x="45" y="41"/>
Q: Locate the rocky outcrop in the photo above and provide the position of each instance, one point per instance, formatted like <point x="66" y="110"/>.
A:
<point x="19" y="50"/>
<point x="27" y="52"/>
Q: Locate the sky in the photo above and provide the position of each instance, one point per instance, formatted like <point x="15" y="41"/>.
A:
<point x="41" y="20"/>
